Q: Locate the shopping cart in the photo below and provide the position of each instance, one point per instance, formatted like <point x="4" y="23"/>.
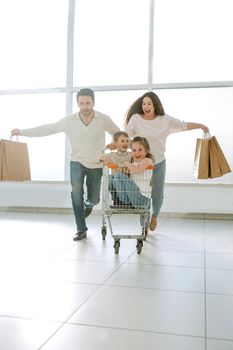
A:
<point x="117" y="177"/>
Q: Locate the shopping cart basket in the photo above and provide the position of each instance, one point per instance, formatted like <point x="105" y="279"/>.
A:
<point x="123" y="196"/>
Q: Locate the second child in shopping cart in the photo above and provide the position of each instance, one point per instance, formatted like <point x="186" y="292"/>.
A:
<point x="118" y="157"/>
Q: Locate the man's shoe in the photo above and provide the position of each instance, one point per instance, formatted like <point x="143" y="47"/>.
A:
<point x="87" y="211"/>
<point x="153" y="223"/>
<point x="79" y="236"/>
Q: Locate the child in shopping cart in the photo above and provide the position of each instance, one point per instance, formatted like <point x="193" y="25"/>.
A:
<point x="134" y="189"/>
<point x="118" y="157"/>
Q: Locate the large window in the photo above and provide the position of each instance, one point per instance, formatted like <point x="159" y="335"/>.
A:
<point x="181" y="49"/>
<point x="33" y="43"/>
<point x="192" y="40"/>
<point x="111" y="42"/>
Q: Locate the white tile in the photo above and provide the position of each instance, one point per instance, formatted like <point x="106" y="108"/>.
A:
<point x="143" y="309"/>
<point x="75" y="337"/>
<point x="83" y="271"/>
<point x="90" y="252"/>
<point x="213" y="344"/>
<point x="183" y="225"/>
<point x="25" y="251"/>
<point x="219" y="261"/>
<point x="60" y="270"/>
<point x="168" y="257"/>
<point x="219" y="281"/>
<point x="218" y="244"/>
<point x="45" y="276"/>
<point x="42" y="300"/>
<point x="24" y="334"/>
<point x="219" y="316"/>
<point x="219" y="226"/>
<point x="188" y="245"/>
<point x="159" y="277"/>
<point x="226" y="236"/>
<point x="177" y="235"/>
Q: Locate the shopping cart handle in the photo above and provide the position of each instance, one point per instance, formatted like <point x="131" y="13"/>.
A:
<point x="112" y="165"/>
<point x="150" y="167"/>
<point x="115" y="166"/>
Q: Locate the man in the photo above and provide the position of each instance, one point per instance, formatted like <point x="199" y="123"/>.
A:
<point x="86" y="132"/>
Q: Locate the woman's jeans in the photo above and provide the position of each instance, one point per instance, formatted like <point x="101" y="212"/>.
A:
<point x="157" y="182"/>
<point x="78" y="173"/>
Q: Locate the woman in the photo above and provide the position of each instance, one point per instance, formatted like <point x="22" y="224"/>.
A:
<point x="146" y="118"/>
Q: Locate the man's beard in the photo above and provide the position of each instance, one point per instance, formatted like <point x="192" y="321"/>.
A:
<point x="86" y="113"/>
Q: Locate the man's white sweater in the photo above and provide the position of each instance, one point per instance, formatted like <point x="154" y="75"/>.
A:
<point x="87" y="141"/>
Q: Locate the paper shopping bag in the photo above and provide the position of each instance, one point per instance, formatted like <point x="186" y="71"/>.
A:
<point x="14" y="161"/>
<point x="214" y="166"/>
<point x="201" y="159"/>
<point x="1" y="158"/>
<point x="217" y="151"/>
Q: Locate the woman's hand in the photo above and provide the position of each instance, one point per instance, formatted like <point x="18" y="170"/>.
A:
<point x="204" y="128"/>
<point x="15" y="132"/>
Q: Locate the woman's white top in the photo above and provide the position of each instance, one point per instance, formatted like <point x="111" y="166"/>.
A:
<point x="155" y="131"/>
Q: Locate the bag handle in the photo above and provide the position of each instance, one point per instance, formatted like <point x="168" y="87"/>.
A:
<point x="206" y="135"/>
<point x="16" y="136"/>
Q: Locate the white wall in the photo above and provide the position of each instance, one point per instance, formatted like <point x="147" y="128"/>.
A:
<point x="179" y="198"/>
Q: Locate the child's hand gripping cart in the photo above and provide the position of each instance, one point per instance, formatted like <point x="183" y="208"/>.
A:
<point x="125" y="194"/>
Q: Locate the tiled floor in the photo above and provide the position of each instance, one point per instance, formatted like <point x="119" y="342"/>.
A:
<point x="59" y="295"/>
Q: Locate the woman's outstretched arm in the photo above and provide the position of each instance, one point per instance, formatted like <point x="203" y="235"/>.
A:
<point x="192" y="126"/>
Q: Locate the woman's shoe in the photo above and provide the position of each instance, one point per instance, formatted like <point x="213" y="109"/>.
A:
<point x="153" y="223"/>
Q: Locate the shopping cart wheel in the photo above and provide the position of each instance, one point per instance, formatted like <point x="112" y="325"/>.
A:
<point x="139" y="246"/>
<point x="104" y="232"/>
<point x="117" y="246"/>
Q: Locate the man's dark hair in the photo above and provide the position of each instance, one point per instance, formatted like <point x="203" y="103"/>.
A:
<point x="86" y="92"/>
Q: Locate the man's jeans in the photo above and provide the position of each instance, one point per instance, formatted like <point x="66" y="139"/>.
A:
<point x="78" y="173"/>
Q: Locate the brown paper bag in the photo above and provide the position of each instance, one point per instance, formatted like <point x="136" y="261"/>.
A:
<point x="14" y="161"/>
<point x="223" y="166"/>
<point x="214" y="166"/>
<point x="1" y="158"/>
<point x="201" y="159"/>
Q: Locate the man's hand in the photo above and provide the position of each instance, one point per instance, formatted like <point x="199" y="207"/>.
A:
<point x="111" y="146"/>
<point x="15" y="132"/>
